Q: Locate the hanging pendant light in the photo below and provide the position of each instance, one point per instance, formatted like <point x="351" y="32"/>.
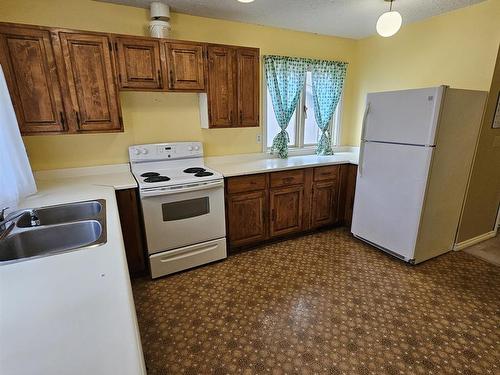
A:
<point x="389" y="22"/>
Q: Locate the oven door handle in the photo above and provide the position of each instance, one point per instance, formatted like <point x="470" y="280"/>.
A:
<point x="177" y="190"/>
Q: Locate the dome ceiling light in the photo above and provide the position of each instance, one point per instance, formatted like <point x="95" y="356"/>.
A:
<point x="389" y="22"/>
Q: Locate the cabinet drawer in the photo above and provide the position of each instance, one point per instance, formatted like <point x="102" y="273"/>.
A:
<point x="330" y="172"/>
<point x="287" y="178"/>
<point x="246" y="183"/>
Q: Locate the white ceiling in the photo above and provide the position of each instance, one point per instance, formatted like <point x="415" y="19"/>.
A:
<point x="346" y="18"/>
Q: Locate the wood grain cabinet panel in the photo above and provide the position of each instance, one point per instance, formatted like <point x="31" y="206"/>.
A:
<point x="139" y="63"/>
<point x="221" y="86"/>
<point x="30" y="70"/>
<point x="324" y="210"/>
<point x="248" y="87"/>
<point x="247" y="183"/>
<point x="91" y="80"/>
<point x="329" y="172"/>
<point x="286" y="210"/>
<point x="247" y="217"/>
<point x="133" y="237"/>
<point x="186" y="66"/>
<point x="350" y="188"/>
<point x="287" y="178"/>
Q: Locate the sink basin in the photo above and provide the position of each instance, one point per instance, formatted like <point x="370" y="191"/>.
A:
<point x="63" y="213"/>
<point x="43" y="241"/>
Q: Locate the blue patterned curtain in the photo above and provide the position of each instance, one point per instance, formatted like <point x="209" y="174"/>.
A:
<point x="328" y="82"/>
<point x="285" y="79"/>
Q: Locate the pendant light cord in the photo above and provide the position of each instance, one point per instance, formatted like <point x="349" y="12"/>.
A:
<point x="390" y="6"/>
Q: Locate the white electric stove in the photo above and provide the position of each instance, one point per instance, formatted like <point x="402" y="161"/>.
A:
<point x="182" y="204"/>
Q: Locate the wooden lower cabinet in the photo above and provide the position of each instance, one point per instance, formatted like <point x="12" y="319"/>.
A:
<point x="286" y="210"/>
<point x="247" y="217"/>
<point x="350" y="189"/>
<point x="132" y="231"/>
<point x="279" y="204"/>
<point x="324" y="209"/>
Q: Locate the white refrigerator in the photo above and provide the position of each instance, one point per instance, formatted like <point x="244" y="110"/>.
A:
<point x="417" y="149"/>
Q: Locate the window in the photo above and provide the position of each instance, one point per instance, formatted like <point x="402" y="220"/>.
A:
<point x="302" y="129"/>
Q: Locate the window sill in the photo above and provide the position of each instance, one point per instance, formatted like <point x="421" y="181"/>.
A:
<point x="296" y="151"/>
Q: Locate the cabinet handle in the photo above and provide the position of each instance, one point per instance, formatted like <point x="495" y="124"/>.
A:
<point x="159" y="79"/>
<point x="171" y="79"/>
<point x="273" y="214"/>
<point x="231" y="117"/>
<point x="241" y="117"/>
<point x="77" y="117"/>
<point x="287" y="180"/>
<point x="61" y="116"/>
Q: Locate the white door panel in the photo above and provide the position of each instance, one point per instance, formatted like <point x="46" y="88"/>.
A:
<point x="407" y="116"/>
<point x="389" y="196"/>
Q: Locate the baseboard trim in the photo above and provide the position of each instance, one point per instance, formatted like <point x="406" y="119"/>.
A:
<point x="483" y="237"/>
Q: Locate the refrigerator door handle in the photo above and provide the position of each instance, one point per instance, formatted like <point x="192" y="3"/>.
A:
<point x="362" y="145"/>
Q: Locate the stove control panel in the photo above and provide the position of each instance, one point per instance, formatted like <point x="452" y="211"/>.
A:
<point x="165" y="151"/>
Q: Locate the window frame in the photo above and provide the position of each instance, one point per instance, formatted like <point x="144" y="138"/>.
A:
<point x="299" y="147"/>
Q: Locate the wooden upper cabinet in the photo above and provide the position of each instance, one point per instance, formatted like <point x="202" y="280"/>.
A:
<point x="186" y="66"/>
<point x="91" y="81"/>
<point x="30" y="70"/>
<point x="233" y="86"/>
<point x="286" y="210"/>
<point x="222" y="101"/>
<point x="248" y="87"/>
<point x="139" y="63"/>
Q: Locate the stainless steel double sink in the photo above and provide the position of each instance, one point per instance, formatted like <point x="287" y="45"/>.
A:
<point x="45" y="231"/>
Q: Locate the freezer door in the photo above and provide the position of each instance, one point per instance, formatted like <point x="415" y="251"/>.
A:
<point x="407" y="116"/>
<point x="389" y="196"/>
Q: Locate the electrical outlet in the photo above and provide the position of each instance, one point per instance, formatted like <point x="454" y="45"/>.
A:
<point x="259" y="138"/>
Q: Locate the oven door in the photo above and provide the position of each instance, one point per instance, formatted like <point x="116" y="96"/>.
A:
<point x="173" y="220"/>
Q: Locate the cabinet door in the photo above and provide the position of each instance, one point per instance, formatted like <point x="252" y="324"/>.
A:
<point x="91" y="80"/>
<point x="324" y="209"/>
<point x="128" y="209"/>
<point x="247" y="218"/>
<point x="139" y="63"/>
<point x="222" y="101"/>
<point x="28" y="62"/>
<point x="286" y="210"/>
<point x="352" y="173"/>
<point x="248" y="87"/>
<point x="186" y="67"/>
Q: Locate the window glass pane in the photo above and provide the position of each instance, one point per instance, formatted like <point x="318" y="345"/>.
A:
<point x="311" y="130"/>
<point x="273" y="127"/>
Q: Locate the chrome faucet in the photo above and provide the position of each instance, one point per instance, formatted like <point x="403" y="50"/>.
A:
<point x="4" y="220"/>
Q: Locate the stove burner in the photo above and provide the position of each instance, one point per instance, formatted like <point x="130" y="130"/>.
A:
<point x="156" y="179"/>
<point x="150" y="174"/>
<point x="194" y="170"/>
<point x="203" y="174"/>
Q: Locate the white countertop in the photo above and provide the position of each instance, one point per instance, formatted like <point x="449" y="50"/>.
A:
<point x="237" y="165"/>
<point x="117" y="176"/>
<point x="71" y="313"/>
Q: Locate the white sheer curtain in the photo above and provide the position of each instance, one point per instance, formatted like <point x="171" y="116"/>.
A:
<point x="16" y="177"/>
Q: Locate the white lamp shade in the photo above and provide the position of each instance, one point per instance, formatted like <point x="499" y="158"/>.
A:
<point x="389" y="23"/>
<point x="160" y="10"/>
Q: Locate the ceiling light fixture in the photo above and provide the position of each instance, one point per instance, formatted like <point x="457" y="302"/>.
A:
<point x="389" y="22"/>
<point x="246" y="1"/>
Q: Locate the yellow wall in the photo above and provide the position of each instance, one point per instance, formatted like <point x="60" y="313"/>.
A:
<point x="456" y="49"/>
<point x="483" y="196"/>
<point x="157" y="117"/>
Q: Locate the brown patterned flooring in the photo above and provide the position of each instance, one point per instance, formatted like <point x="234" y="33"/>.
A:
<point x="323" y="304"/>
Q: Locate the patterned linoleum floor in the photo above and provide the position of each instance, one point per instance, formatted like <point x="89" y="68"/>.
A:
<point x="323" y="304"/>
